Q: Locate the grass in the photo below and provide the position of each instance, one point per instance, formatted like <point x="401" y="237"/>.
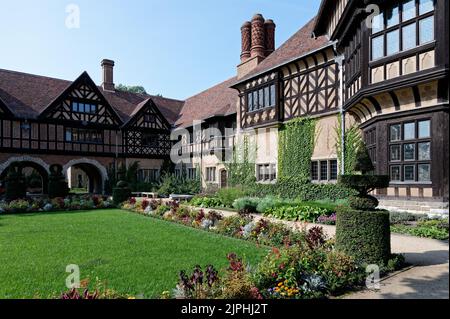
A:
<point x="135" y="255"/>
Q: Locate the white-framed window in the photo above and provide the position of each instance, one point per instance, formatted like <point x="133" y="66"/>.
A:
<point x="266" y="172"/>
<point x="211" y="174"/>
<point x="324" y="170"/>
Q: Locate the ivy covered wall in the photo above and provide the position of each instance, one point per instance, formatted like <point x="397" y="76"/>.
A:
<point x="296" y="147"/>
<point x="353" y="142"/>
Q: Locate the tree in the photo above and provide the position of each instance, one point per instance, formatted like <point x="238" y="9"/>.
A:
<point x="131" y="89"/>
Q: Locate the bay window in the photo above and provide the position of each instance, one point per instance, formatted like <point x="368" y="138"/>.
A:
<point x="410" y="151"/>
<point x="261" y="98"/>
<point x="401" y="27"/>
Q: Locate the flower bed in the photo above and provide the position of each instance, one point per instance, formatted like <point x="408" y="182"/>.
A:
<point x="302" y="265"/>
<point x="420" y="226"/>
<point x="36" y="205"/>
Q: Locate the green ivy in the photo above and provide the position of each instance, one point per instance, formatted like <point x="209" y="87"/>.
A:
<point x="241" y="169"/>
<point x="296" y="147"/>
<point x="353" y="142"/>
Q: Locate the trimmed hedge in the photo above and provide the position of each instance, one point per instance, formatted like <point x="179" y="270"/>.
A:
<point x="57" y="185"/>
<point x="15" y="184"/>
<point x="366" y="203"/>
<point x="121" y="193"/>
<point x="364" y="235"/>
<point x="295" y="188"/>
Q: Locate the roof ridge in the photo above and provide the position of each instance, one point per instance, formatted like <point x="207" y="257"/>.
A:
<point x="210" y="88"/>
<point x="34" y="75"/>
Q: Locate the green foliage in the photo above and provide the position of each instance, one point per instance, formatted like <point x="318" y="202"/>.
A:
<point x="15" y="183"/>
<point x="353" y="142"/>
<point x="57" y="185"/>
<point x="232" y="226"/>
<point x="295" y="149"/>
<point x="364" y="235"/>
<point x="241" y="169"/>
<point x="435" y="229"/>
<point x="365" y="203"/>
<point x="297" y="213"/>
<point x="227" y="196"/>
<point x="364" y="184"/>
<point x="171" y="184"/>
<point x="246" y="205"/>
<point x="363" y="161"/>
<point x="269" y="203"/>
<point x="295" y="188"/>
<point x="206" y="202"/>
<point x="131" y="89"/>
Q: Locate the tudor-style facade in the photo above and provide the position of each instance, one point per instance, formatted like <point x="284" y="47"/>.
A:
<point x="86" y="128"/>
<point x="396" y="87"/>
<point x="391" y="81"/>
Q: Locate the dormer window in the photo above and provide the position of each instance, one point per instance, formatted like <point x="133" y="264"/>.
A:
<point x="85" y="108"/>
<point x="261" y="98"/>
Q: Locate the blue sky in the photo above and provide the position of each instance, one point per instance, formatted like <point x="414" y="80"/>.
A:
<point x="176" y="48"/>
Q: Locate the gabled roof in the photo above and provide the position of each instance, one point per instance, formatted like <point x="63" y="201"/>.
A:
<point x="220" y="100"/>
<point x="301" y="43"/>
<point x="28" y="95"/>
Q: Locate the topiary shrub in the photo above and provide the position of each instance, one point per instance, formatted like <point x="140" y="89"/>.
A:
<point x="15" y="183"/>
<point x="364" y="235"/>
<point x="364" y="184"/>
<point x="366" y="203"/>
<point x="121" y="193"/>
<point x="57" y="185"/>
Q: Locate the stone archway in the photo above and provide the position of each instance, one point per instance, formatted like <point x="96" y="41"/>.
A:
<point x="95" y="171"/>
<point x="36" y="164"/>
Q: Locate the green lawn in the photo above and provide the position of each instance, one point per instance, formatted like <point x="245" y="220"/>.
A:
<point x="134" y="254"/>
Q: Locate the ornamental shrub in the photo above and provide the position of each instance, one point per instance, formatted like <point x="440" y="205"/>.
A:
<point x="15" y="183"/>
<point x="366" y="203"/>
<point x="246" y="205"/>
<point x="364" y="184"/>
<point x="299" y="189"/>
<point x="121" y="193"/>
<point x="227" y="196"/>
<point x="57" y="185"/>
<point x="364" y="235"/>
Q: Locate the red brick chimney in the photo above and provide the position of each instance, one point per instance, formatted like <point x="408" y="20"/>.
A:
<point x="258" y="42"/>
<point x="270" y="26"/>
<point x="246" y="32"/>
<point x="258" y="37"/>
<point x="108" y="75"/>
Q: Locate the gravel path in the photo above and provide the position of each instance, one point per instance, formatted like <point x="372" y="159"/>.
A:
<point x="428" y="278"/>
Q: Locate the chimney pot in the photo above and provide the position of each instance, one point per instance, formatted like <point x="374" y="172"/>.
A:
<point x="270" y="26"/>
<point x="246" y="31"/>
<point x="108" y="75"/>
<point x="258" y="47"/>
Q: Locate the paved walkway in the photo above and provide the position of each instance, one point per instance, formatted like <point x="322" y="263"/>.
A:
<point x="428" y="278"/>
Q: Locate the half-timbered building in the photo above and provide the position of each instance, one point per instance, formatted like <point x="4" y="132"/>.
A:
<point x="381" y="66"/>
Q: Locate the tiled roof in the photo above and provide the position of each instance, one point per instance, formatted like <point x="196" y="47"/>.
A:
<point x="299" y="44"/>
<point x="27" y="95"/>
<point x="220" y="100"/>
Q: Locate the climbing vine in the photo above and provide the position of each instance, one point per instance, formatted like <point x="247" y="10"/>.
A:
<point x="241" y="168"/>
<point x="353" y="142"/>
<point x="296" y="147"/>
